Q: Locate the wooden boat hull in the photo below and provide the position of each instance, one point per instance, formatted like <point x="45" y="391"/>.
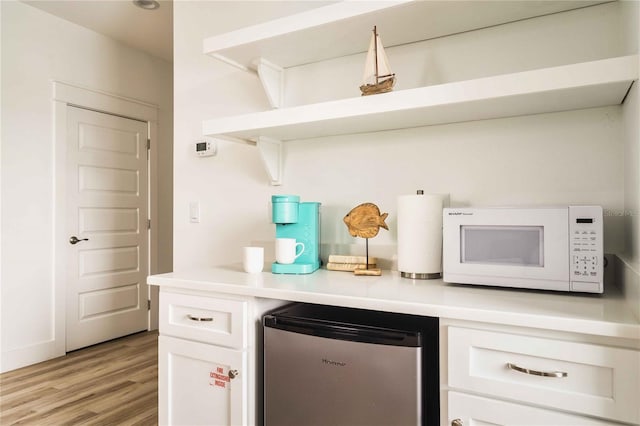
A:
<point x="382" y="87"/>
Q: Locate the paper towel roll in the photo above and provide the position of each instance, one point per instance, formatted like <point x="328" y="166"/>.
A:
<point x="420" y="235"/>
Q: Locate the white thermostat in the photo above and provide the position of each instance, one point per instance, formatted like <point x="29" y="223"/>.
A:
<point x="205" y="148"/>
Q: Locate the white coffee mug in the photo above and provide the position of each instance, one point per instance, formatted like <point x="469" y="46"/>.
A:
<point x="287" y="250"/>
<point x="253" y="259"/>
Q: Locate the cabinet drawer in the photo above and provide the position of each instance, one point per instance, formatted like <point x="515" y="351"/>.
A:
<point x="205" y="319"/>
<point x="475" y="410"/>
<point x="583" y="378"/>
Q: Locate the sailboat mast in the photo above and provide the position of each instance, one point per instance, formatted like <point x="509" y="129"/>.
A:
<point x="375" y="50"/>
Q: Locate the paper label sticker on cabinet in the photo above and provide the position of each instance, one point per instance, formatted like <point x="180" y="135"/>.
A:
<point x="218" y="378"/>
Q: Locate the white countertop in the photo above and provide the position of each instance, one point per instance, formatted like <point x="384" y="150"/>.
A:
<point x="605" y="315"/>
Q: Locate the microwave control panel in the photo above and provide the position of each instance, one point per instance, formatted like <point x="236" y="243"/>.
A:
<point x="586" y="248"/>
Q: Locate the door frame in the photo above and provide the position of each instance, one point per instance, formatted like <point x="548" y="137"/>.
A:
<point x="66" y="94"/>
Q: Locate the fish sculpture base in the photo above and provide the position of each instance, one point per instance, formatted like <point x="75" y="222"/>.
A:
<point x="368" y="272"/>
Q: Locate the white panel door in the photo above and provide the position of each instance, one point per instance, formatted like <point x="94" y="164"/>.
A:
<point x="107" y="227"/>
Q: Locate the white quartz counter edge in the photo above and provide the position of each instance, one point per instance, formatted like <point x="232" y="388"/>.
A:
<point x="604" y="315"/>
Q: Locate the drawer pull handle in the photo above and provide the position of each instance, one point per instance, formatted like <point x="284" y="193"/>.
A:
<point x="233" y="374"/>
<point x="536" y="372"/>
<point x="456" y="422"/>
<point x="194" y="318"/>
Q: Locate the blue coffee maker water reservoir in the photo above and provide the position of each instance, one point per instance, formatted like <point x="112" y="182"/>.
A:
<point x="301" y="221"/>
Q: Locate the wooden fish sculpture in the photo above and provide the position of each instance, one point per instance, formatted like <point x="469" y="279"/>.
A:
<point x="365" y="221"/>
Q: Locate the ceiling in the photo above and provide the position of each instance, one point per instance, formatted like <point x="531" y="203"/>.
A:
<point x="148" y="30"/>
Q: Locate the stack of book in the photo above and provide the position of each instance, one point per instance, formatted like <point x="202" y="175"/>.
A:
<point x="347" y="263"/>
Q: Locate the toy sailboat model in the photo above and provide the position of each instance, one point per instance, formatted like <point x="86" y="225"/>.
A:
<point x="377" y="77"/>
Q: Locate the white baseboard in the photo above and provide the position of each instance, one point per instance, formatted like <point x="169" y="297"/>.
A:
<point x="33" y="354"/>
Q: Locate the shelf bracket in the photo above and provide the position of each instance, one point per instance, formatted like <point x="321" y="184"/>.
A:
<point x="272" y="79"/>
<point x="271" y="154"/>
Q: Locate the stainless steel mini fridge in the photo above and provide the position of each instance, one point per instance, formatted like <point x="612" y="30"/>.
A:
<point x="337" y="366"/>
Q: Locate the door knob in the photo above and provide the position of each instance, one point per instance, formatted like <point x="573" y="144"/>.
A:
<point x="75" y="240"/>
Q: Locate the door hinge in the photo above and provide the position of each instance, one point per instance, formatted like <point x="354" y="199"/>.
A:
<point x="148" y="223"/>
<point x="148" y="147"/>
<point x="148" y="305"/>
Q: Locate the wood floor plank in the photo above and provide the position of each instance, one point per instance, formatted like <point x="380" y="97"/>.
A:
<point x="126" y="413"/>
<point x="106" y="384"/>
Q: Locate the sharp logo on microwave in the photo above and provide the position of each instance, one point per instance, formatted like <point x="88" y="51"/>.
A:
<point x="334" y="363"/>
<point x="460" y="214"/>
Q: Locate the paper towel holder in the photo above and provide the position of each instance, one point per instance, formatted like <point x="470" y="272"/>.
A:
<point x="420" y="275"/>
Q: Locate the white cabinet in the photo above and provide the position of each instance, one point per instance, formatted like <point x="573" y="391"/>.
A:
<point x="478" y="340"/>
<point x="559" y="376"/>
<point x="204" y="361"/>
<point x="201" y="384"/>
<point x="209" y="358"/>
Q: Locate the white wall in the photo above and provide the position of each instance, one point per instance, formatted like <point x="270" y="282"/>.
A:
<point x="230" y="187"/>
<point x="631" y="212"/>
<point x="567" y="157"/>
<point x="628" y="270"/>
<point x="36" y="49"/>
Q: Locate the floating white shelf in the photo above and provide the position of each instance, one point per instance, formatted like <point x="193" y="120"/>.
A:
<point x="576" y="86"/>
<point x="332" y="31"/>
<point x="344" y="28"/>
<point x="569" y="87"/>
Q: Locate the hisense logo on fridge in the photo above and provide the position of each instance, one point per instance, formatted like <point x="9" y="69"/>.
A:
<point x="334" y="363"/>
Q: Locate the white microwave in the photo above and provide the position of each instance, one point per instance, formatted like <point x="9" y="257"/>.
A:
<point x="546" y="248"/>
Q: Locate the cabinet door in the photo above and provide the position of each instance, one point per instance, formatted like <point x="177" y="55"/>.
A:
<point x="201" y="384"/>
<point x="471" y="410"/>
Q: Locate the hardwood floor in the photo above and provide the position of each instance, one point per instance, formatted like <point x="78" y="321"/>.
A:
<point x="113" y="383"/>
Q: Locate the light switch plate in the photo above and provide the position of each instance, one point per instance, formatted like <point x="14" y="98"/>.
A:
<point x="194" y="212"/>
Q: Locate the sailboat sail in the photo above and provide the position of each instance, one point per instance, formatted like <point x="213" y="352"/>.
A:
<point x="377" y="76"/>
<point x="384" y="70"/>
<point x="369" y="76"/>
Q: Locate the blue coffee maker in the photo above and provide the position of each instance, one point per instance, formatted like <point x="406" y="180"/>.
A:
<point x="301" y="221"/>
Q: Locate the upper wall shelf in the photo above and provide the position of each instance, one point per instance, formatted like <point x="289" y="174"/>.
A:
<point x="333" y="31"/>
<point x="343" y="28"/>
<point x="576" y="86"/>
